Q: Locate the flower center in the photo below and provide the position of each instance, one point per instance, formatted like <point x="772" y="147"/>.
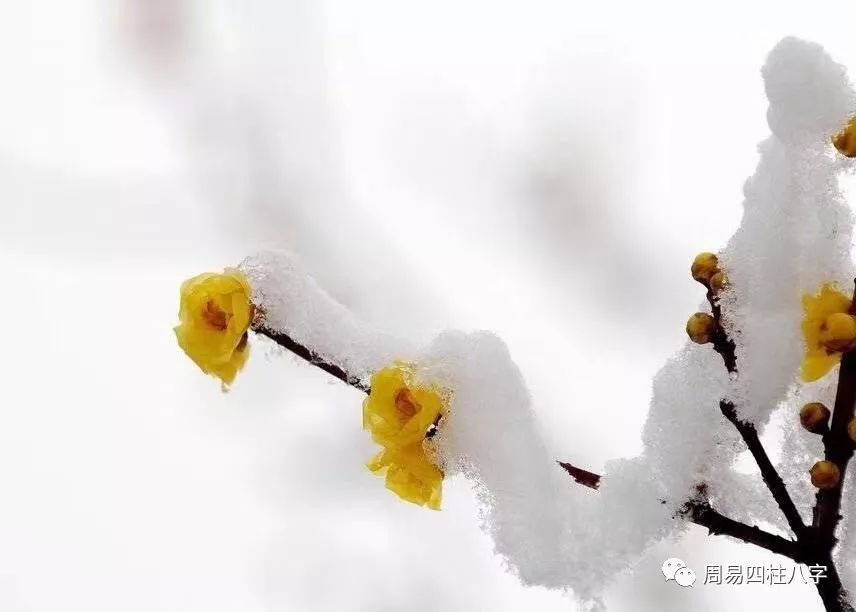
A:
<point x="215" y="316"/>
<point x="405" y="405"/>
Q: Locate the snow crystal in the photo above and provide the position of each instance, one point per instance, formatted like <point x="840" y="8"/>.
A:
<point x="294" y="304"/>
<point x="796" y="230"/>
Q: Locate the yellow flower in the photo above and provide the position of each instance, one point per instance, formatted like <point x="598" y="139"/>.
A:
<point x="827" y="329"/>
<point x="399" y="414"/>
<point x="215" y="314"/>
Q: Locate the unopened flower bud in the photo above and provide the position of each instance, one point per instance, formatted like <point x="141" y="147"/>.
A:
<point x="814" y="417"/>
<point x="851" y="429"/>
<point x="701" y="327"/>
<point x="704" y="266"/>
<point x="845" y="140"/>
<point x="825" y="475"/>
<point x="839" y="332"/>
<point x="718" y="282"/>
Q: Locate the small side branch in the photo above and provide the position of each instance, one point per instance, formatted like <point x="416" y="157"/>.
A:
<point x="771" y="477"/>
<point x="701" y="513"/>
<point x="723" y="345"/>
<point x="288" y="343"/>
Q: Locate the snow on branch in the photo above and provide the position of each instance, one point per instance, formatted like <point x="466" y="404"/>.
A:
<point x="777" y="321"/>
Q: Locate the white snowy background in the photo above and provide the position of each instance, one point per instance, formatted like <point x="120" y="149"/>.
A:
<point x="545" y="170"/>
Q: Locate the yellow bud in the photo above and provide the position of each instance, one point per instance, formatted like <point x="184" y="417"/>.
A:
<point x="701" y="327"/>
<point x="851" y="429"/>
<point x="839" y="332"/>
<point x="825" y="475"/>
<point x="814" y="417"/>
<point x="718" y="282"/>
<point x="845" y="140"/>
<point x="704" y="266"/>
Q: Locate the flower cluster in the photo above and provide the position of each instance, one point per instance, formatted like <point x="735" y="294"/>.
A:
<point x="401" y="417"/>
<point x="701" y="326"/>
<point x="215" y="314"/>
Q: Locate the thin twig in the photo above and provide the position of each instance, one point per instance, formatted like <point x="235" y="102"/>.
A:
<point x="808" y="548"/>
<point x="695" y="511"/>
<point x="769" y="474"/>
<point x="701" y="513"/>
<point x="288" y="343"/>
<point x="723" y="345"/>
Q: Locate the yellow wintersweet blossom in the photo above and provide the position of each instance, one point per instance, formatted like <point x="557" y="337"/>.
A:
<point x="399" y="414"/>
<point x="828" y="330"/>
<point x="215" y="314"/>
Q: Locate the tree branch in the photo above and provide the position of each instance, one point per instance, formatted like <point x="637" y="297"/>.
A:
<point x="838" y="448"/>
<point x="288" y="343"/>
<point x="699" y="512"/>
<point x="723" y="345"/>
<point x="806" y="549"/>
<point x="769" y="474"/>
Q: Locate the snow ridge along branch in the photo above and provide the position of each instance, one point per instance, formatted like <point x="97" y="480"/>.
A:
<point x="813" y="544"/>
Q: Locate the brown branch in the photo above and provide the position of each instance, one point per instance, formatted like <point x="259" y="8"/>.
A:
<point x="838" y="448"/>
<point x="723" y="345"/>
<point x="830" y="589"/>
<point x="699" y="511"/>
<point x="815" y="543"/>
<point x="288" y="343"/>
<point x="769" y="474"/>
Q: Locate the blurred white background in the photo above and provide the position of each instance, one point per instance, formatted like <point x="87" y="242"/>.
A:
<point x="543" y="169"/>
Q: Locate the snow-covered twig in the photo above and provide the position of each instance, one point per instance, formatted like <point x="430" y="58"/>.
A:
<point x="723" y="345"/>
<point x="698" y="511"/>
<point x="288" y="343"/>
<point x="812" y="545"/>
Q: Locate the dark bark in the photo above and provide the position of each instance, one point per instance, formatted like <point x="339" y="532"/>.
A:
<point x="838" y="448"/>
<point x="288" y="343"/>
<point x="701" y="513"/>
<point x="771" y="477"/>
